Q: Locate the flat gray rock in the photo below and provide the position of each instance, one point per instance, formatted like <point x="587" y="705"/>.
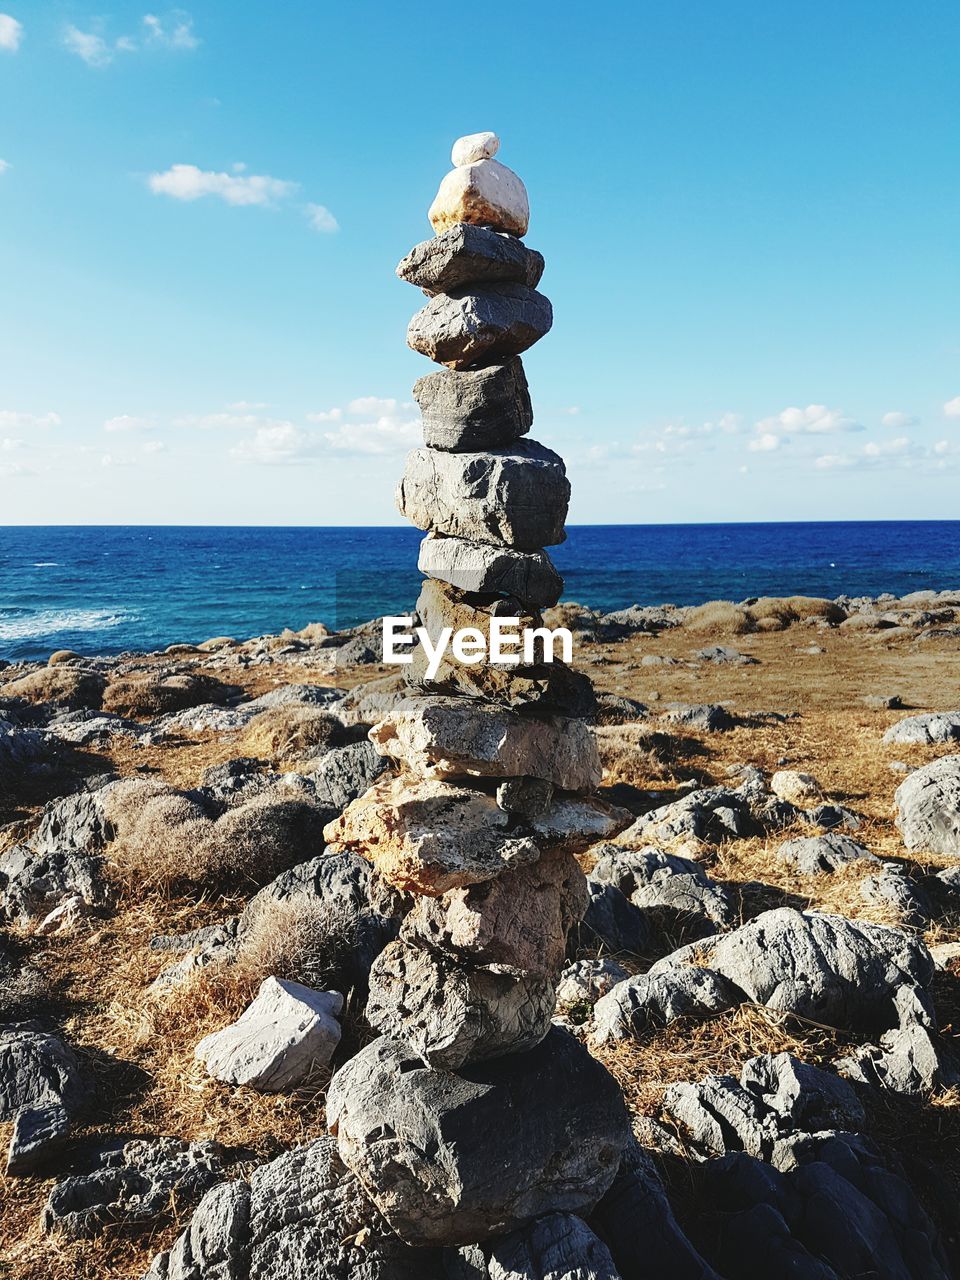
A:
<point x="281" y="1039"/>
<point x="928" y="807"/>
<point x="33" y="884"/>
<point x="133" y="1184"/>
<point x="938" y="726"/>
<point x="480" y="326"/>
<point x="37" y="1133"/>
<point x="820" y="855"/>
<point x="676" y="893"/>
<point x="710" y="717"/>
<point x="657" y="999"/>
<point x="515" y="496"/>
<point x="482" y="568"/>
<point x="343" y="773"/>
<point x="37" y="1070"/>
<point x="456" y="1158"/>
<point x="303" y="1216"/>
<point x="474" y="408"/>
<point x="465" y="254"/>
<point x="557" y="1247"/>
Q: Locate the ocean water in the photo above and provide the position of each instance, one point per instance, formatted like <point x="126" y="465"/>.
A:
<point x="110" y="589"/>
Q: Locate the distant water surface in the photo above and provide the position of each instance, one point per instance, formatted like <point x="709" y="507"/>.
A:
<point x="110" y="589"/>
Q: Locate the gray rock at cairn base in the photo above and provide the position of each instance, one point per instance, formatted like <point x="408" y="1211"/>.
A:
<point x="465" y="254"/>
<point x="479" y="326"/>
<point x="456" y="1158"/>
<point x="516" y="496"/>
<point x="484" y="569"/>
<point x="474" y="408"/>
<point x="451" y="1015"/>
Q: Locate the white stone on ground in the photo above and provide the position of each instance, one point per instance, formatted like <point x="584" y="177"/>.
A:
<point x="285" y="1034"/>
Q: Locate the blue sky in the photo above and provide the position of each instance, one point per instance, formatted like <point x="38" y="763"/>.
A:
<point x="749" y="213"/>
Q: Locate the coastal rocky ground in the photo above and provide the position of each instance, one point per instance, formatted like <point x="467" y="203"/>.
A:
<point x="768" y="964"/>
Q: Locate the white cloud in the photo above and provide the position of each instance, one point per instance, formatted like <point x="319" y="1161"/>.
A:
<point x="125" y="422"/>
<point x="93" y="49"/>
<point x="18" y="421"/>
<point x="152" y="446"/>
<point x="11" y="33"/>
<point x="325" y="415"/>
<point x="187" y="182"/>
<point x="371" y="404"/>
<point x="386" y="434"/>
<point x="173" y="32"/>
<point x="247" y="406"/>
<point x="898" y="421"/>
<point x="952" y="408"/>
<point x="4" y="166"/>
<point x="273" y="445"/>
<point x="7" y="444"/>
<point x="814" y="420"/>
<point x="767" y="443"/>
<point x="901" y="452"/>
<point x="321" y="219"/>
<point x="571" y="410"/>
<point x="216" y="421"/>
<point x="10" y="469"/>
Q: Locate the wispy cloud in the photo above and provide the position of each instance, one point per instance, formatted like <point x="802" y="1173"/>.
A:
<point x="321" y="219"/>
<point x="769" y="442"/>
<point x="96" y="49"/>
<point x="814" y="420"/>
<point x="898" y="421"/>
<point x="952" y="408"/>
<point x="188" y="182"/>
<point x="126" y="422"/>
<point x="902" y="452"/>
<point x="277" y="444"/>
<point x="12" y="420"/>
<point x="4" y="166"/>
<point x="11" y="33"/>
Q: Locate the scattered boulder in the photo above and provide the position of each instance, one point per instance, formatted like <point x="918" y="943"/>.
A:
<point x="34" y="884"/>
<point x="674" y="893"/>
<point x="817" y="855"/>
<point x="344" y="773"/>
<point x="41" y="1090"/>
<point x="708" y="717"/>
<point x="937" y="726"/>
<point x="724" y="656"/>
<point x="279" y="1041"/>
<point x="74" y="823"/>
<point x="612" y="922"/>
<point x="928" y="807"/>
<point x="584" y="981"/>
<point x="796" y="788"/>
<point x="559" y="1246"/>
<point x="453" y="1158"/>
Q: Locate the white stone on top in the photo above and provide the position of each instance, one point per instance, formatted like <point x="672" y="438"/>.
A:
<point x="473" y="147"/>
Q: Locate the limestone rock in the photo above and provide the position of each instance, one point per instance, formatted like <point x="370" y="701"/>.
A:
<point x="928" y="807"/>
<point x="557" y="1247"/>
<point x="465" y="254"/>
<point x="133" y="1183"/>
<point x="303" y="1216"/>
<point x="674" y="892"/>
<point x="586" y="981"/>
<point x="473" y="147"/>
<point x="451" y="1015"/>
<point x="515" y="496"/>
<point x="453" y="1158"/>
<point x="34" y="884"/>
<point x="343" y="773"/>
<point x="428" y="836"/>
<point x="521" y="919"/>
<point x="796" y="788"/>
<point x="474" y="408"/>
<point x="552" y="688"/>
<point x="440" y="737"/>
<point x="283" y="1037"/>
<point x="710" y="717"/>
<point x="484" y="192"/>
<point x="527" y="798"/>
<point x="74" y="822"/>
<point x="37" y="1132"/>
<point x="613" y="922"/>
<point x="939" y="726"/>
<point x="481" y="567"/>
<point x="817" y="855"/>
<point x="480" y="325"/>
<point x="37" y="1070"/>
<point x="657" y="999"/>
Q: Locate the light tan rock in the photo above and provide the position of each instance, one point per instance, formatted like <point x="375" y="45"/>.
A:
<point x="521" y="919"/>
<point x="473" y="147"/>
<point x="442" y="737"/>
<point x="796" y="788"/>
<point x="575" y="822"/>
<point x="427" y="836"/>
<point x="485" y="193"/>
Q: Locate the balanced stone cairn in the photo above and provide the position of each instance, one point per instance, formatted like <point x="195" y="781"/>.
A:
<point x="472" y="1113"/>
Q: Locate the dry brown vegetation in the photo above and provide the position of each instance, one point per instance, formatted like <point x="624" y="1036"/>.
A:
<point x="284" y="733"/>
<point x="139" y="1048"/>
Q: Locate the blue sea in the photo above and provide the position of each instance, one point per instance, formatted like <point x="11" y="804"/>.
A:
<point x="111" y="589"/>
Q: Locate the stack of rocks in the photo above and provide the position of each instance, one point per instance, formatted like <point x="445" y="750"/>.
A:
<point x="471" y="1114"/>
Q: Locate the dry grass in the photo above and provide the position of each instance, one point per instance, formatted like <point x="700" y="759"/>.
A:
<point x="284" y="733"/>
<point x="146" y="694"/>
<point x="768" y="613"/>
<point x="67" y="686"/>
